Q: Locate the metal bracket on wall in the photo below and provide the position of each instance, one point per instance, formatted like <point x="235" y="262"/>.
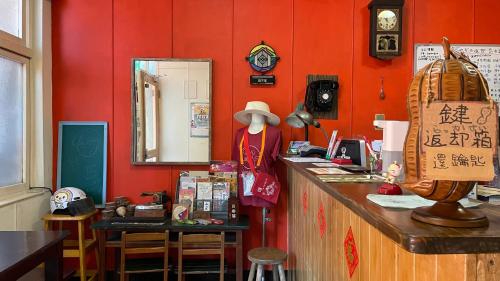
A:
<point x="333" y="114"/>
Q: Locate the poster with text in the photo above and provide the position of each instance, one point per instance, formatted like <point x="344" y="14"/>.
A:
<point x="200" y="120"/>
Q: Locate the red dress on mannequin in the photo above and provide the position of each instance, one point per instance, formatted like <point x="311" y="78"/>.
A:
<point x="269" y="156"/>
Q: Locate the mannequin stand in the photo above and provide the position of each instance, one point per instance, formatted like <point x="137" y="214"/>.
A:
<point x="265" y="220"/>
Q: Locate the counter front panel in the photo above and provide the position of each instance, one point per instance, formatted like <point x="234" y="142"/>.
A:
<point x="386" y="244"/>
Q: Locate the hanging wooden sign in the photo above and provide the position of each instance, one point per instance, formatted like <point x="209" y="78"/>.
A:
<point x="459" y="139"/>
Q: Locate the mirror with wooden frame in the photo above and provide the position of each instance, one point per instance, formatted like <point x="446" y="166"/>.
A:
<point x="171" y="111"/>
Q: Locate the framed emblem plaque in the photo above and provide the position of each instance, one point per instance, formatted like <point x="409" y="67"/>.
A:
<point x="262" y="58"/>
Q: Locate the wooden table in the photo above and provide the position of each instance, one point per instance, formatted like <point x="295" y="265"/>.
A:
<point x="21" y="251"/>
<point x="104" y="228"/>
<point x="326" y="220"/>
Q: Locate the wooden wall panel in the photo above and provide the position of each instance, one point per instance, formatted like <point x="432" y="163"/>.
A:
<point x="330" y="236"/>
<point x="143" y="40"/>
<point x="472" y="267"/>
<point x="367" y="73"/>
<point x="206" y="21"/>
<point x="355" y="222"/>
<point x="405" y="264"/>
<point x="437" y="18"/>
<point x="375" y="254"/>
<point x="486" y="29"/>
<point x="339" y="254"/>
<point x="322" y="44"/>
<point x="364" y="252"/>
<point x="388" y="258"/>
<point x="380" y="259"/>
<point x="82" y="67"/>
<point x="93" y="41"/>
<point x="448" y="268"/>
<point x="430" y="274"/>
<point x="342" y="234"/>
<point x="248" y="30"/>
<point x="487" y="267"/>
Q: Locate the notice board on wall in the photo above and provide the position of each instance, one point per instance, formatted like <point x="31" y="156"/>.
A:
<point x="82" y="158"/>
<point x="486" y="57"/>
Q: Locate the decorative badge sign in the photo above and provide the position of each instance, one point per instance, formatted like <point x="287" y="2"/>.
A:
<point x="459" y="139"/>
<point x="321" y="220"/>
<point x="262" y="58"/>
<point x="351" y="253"/>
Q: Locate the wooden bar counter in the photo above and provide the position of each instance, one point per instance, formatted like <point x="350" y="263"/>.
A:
<point x="389" y="244"/>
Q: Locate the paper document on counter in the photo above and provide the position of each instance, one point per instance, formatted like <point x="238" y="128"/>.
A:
<point x="306" y="159"/>
<point x="329" y="171"/>
<point x="410" y="201"/>
<point x="326" y="165"/>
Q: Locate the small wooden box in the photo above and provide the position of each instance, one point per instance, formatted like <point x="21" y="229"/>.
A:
<point x="159" y="213"/>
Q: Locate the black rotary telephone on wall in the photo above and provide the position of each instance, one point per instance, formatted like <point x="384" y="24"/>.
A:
<point x="320" y="95"/>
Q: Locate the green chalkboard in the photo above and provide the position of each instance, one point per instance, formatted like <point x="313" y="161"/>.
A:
<point x="82" y="154"/>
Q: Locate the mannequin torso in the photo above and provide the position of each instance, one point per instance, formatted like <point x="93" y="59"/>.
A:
<point x="270" y="155"/>
<point x="257" y="124"/>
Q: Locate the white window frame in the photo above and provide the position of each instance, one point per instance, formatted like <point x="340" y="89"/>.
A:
<point x="26" y="123"/>
<point x="20" y="45"/>
<point x="33" y="49"/>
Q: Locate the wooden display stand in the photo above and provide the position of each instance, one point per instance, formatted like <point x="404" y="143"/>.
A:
<point x="80" y="247"/>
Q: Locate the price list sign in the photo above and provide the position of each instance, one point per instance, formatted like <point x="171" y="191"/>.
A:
<point x="459" y="139"/>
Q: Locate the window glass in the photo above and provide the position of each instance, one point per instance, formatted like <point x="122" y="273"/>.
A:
<point x="11" y="121"/>
<point x="10" y="17"/>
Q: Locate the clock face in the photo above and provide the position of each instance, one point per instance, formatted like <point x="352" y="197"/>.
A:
<point x="387" y="20"/>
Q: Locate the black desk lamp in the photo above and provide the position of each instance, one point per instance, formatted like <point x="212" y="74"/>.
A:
<point x="300" y="118"/>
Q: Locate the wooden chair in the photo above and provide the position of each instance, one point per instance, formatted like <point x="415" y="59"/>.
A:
<point x="135" y="243"/>
<point x="198" y="245"/>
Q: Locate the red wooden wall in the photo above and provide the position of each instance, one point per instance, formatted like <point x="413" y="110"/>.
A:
<point x="94" y="41"/>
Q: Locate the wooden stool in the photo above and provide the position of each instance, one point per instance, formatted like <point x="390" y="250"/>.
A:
<point x="267" y="256"/>
<point x="77" y="248"/>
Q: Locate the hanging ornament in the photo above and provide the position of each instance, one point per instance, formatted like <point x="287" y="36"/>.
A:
<point x="382" y="93"/>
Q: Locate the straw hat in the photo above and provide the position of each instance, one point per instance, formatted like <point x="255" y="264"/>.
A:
<point x="259" y="107"/>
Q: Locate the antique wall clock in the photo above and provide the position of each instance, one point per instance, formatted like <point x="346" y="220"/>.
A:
<point x="386" y="24"/>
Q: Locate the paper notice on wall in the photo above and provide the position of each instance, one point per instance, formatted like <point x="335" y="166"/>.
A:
<point x="200" y="119"/>
<point x="459" y="140"/>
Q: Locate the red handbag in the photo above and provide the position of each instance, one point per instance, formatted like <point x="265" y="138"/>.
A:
<point x="266" y="186"/>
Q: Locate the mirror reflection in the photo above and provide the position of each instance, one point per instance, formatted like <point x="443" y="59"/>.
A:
<point x="171" y="111"/>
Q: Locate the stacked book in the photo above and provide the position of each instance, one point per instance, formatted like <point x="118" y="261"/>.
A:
<point x="488" y="194"/>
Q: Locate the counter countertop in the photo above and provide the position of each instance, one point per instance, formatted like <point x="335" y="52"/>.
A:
<point x="397" y="224"/>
